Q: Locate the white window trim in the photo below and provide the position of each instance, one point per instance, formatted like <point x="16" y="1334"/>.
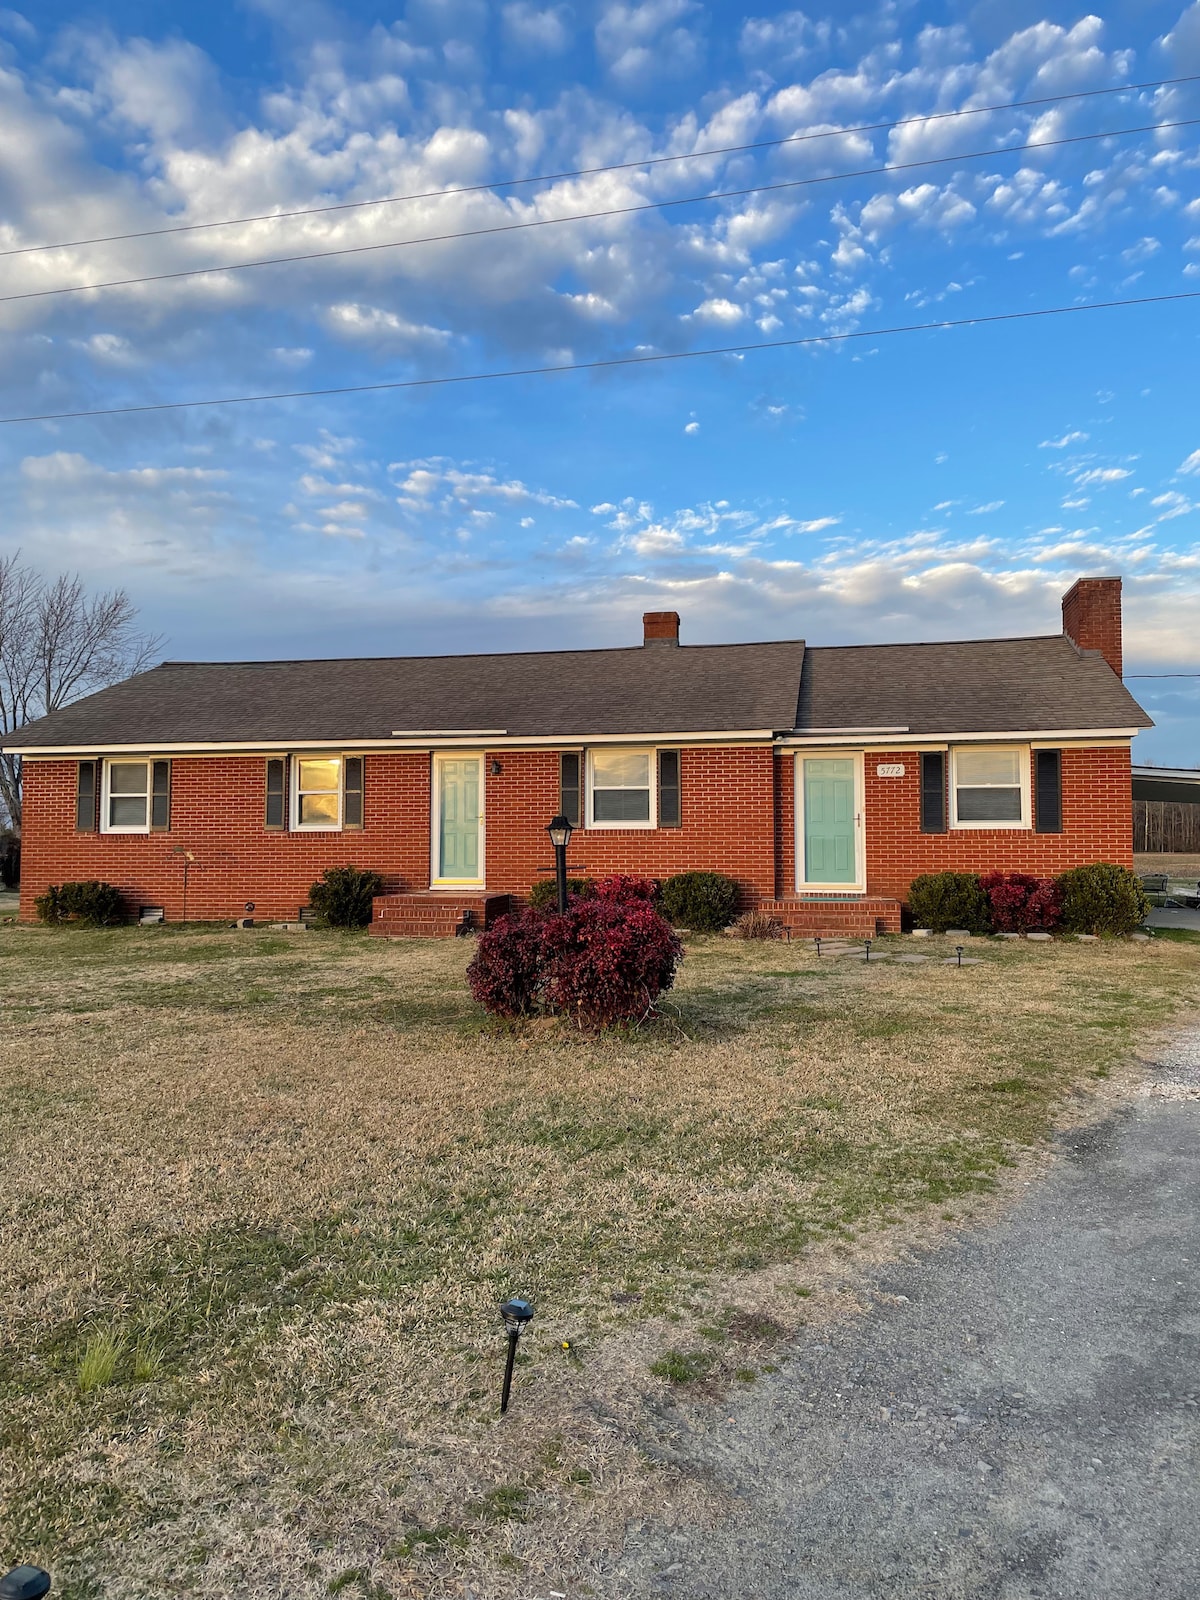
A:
<point x="436" y="881"/>
<point x="295" y="825"/>
<point x="123" y="761"/>
<point x="859" y="886"/>
<point x="1024" y="767"/>
<point x="623" y="827"/>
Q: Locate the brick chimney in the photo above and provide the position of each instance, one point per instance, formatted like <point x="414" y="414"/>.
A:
<point x="661" y="627"/>
<point x="1092" y="617"/>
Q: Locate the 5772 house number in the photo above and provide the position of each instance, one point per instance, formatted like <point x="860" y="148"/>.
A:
<point x="890" y="769"/>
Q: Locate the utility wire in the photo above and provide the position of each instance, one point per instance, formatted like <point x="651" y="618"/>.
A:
<point x="591" y="216"/>
<point x="589" y="172"/>
<point x="1162" y="674"/>
<point x="608" y="362"/>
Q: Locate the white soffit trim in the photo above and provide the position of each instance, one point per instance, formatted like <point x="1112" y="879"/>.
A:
<point x="1047" y="738"/>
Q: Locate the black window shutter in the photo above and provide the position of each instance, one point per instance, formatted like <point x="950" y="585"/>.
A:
<point x="670" y="800"/>
<point x="352" y="793"/>
<point x="86" y="796"/>
<point x="570" y="763"/>
<point x="1048" y="791"/>
<point x="160" y="796"/>
<point x="277" y="792"/>
<point x="933" y="791"/>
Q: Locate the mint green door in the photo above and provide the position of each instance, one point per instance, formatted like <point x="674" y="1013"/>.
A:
<point x="829" y="827"/>
<point x="458" y="819"/>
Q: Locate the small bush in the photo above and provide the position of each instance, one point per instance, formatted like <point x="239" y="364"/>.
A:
<point x="85" y="905"/>
<point x="505" y="974"/>
<point x="941" y="900"/>
<point x="702" y="901"/>
<point x="1102" y="898"/>
<point x="756" y="925"/>
<point x="342" y="898"/>
<point x="626" y="888"/>
<point x="607" y="961"/>
<point x="544" y="894"/>
<point x="1020" y="903"/>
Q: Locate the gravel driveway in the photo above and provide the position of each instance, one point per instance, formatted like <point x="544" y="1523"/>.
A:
<point x="1021" y="1419"/>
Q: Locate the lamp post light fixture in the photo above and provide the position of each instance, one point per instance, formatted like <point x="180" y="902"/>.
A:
<point x="560" y="831"/>
<point x="817" y="942"/>
<point x="959" y="948"/>
<point x="868" y="949"/>
<point x="24" y="1583"/>
<point x="517" y="1314"/>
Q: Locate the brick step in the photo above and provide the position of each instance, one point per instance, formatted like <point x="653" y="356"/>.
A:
<point x="862" y="918"/>
<point x="431" y="914"/>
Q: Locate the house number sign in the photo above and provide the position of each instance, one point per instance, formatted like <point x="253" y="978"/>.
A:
<point x="890" y="769"/>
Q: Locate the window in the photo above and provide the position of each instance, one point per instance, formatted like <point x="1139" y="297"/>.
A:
<point x="621" y="791"/>
<point x="991" y="788"/>
<point x="126" y="802"/>
<point x="317" y="795"/>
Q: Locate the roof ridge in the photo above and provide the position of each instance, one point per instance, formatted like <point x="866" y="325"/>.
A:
<point x="930" y="644"/>
<point x="476" y="655"/>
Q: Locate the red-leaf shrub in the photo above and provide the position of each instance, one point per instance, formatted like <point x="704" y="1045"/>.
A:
<point x="1021" y="903"/>
<point x="626" y="888"/>
<point x="506" y="971"/>
<point x="608" y="961"/>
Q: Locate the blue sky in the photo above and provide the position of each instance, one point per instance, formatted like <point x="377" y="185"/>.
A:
<point x="934" y="485"/>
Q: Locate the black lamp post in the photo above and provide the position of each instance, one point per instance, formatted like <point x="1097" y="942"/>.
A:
<point x="24" y="1583"/>
<point x="517" y="1314"/>
<point x="560" y="832"/>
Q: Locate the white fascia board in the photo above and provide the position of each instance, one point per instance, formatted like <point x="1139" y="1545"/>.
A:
<point x="1047" y="739"/>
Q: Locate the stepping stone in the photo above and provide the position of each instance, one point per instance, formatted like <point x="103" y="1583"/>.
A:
<point x="922" y="933"/>
<point x="1142" y="938"/>
<point x="1008" y="936"/>
<point x="957" y="933"/>
<point x="915" y="960"/>
<point x="1088" y="938"/>
<point x="967" y="961"/>
<point x="1041" y="937"/>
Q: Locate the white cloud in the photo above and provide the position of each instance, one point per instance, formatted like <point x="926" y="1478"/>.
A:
<point x="981" y="511"/>
<point x="1101" y="475"/>
<point x="640" y="42"/>
<point x="1075" y="437"/>
<point x="440" y="480"/>
<point x="543" y="30"/>
<point x="719" y="310"/>
<point x="691" y="428"/>
<point x="1192" y="464"/>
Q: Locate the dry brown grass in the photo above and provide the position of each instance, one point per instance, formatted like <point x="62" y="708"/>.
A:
<point x="1182" y="867"/>
<point x="271" y="1191"/>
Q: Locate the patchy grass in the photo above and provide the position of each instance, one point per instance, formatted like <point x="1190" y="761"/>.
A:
<point x="262" y="1196"/>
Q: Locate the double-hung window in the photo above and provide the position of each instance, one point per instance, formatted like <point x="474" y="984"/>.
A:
<point x="317" y="793"/>
<point x="990" y="787"/>
<point x="126" y="798"/>
<point x="621" y="789"/>
<point x="327" y="793"/>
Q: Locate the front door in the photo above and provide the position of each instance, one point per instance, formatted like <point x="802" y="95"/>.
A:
<point x="458" y="820"/>
<point x="829" y="820"/>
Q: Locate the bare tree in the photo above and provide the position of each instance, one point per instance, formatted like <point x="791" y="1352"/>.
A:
<point x="58" y="643"/>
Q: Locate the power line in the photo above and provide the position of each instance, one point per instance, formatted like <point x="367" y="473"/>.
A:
<point x="608" y="362"/>
<point x="590" y="216"/>
<point x="1162" y="674"/>
<point x="589" y="172"/>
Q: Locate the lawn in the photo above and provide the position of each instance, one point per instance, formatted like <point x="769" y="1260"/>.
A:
<point x="263" y="1193"/>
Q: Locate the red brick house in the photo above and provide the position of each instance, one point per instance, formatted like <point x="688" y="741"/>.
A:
<point x="822" y="779"/>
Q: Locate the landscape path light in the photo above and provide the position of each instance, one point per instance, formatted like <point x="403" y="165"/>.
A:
<point x="24" y="1583"/>
<point x="560" y="831"/>
<point x="959" y="948"/>
<point x="517" y="1315"/>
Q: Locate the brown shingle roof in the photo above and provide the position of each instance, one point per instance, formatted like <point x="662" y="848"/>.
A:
<point x="977" y="686"/>
<point x="572" y="693"/>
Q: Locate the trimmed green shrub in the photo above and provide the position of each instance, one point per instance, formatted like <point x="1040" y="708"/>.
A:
<point x="705" y="902"/>
<point x="544" y="894"/>
<point x="1102" y="898"/>
<point x="342" y="898"/>
<point x="941" y="900"/>
<point x="84" y="905"/>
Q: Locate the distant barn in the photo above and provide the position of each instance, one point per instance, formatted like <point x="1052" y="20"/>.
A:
<point x="1166" y="810"/>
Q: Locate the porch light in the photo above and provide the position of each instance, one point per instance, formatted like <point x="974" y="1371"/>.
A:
<point x="516" y="1315"/>
<point x="560" y="831"/>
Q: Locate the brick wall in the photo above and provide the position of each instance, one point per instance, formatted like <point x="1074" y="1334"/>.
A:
<point x="738" y="818"/>
<point x="1097" y="825"/>
<point x="217" y="812"/>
